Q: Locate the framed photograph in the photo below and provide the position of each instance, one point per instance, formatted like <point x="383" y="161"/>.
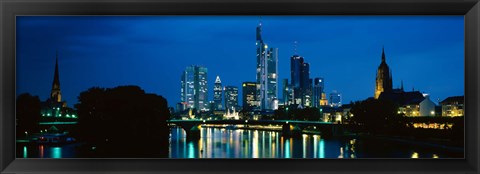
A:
<point x="277" y="86"/>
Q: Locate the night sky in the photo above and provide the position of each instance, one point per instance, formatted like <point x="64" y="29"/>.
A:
<point x="426" y="52"/>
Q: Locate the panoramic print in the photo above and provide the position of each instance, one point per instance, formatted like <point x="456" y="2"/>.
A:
<point x="297" y="87"/>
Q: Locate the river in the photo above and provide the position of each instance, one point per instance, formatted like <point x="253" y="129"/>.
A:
<point x="239" y="143"/>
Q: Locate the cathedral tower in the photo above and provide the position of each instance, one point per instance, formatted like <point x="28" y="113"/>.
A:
<point x="383" y="82"/>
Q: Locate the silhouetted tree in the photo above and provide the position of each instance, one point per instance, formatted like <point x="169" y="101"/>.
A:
<point x="124" y="122"/>
<point x="376" y="116"/>
<point x="27" y="114"/>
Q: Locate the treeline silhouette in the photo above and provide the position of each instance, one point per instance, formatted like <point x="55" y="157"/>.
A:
<point x="122" y="122"/>
<point x="27" y="114"/>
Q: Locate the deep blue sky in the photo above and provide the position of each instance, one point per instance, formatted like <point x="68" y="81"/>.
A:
<point x="426" y="52"/>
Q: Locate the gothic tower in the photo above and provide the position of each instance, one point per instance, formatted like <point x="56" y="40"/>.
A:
<point x="383" y="81"/>
<point x="56" y="95"/>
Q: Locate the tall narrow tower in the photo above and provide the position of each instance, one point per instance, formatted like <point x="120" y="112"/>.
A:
<point x="56" y="94"/>
<point x="194" y="85"/>
<point x="267" y="76"/>
<point x="384" y="78"/>
<point x="217" y="94"/>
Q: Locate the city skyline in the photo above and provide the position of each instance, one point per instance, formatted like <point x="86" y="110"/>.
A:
<point x="333" y="65"/>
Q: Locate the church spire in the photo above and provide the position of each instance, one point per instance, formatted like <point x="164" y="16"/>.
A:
<point x="402" y="86"/>
<point x="56" y="94"/>
<point x="383" y="53"/>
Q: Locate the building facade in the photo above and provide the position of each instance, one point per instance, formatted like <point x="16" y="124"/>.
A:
<point x="267" y="76"/>
<point x="249" y="96"/>
<point x="383" y="81"/>
<point x="453" y="106"/>
<point x="217" y="94"/>
<point x="231" y="97"/>
<point x="301" y="82"/>
<point x="318" y="90"/>
<point x="194" y="87"/>
<point x="335" y="99"/>
<point x="288" y="97"/>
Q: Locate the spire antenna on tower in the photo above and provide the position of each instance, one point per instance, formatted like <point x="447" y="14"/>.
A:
<point x="295" y="47"/>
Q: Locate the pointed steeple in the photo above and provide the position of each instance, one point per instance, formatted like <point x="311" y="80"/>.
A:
<point x="55" y="93"/>
<point x="56" y="80"/>
<point x="383" y="53"/>
<point x="402" y="86"/>
<point x="295" y="43"/>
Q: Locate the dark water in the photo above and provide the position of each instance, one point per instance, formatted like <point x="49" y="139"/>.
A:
<point x="224" y="143"/>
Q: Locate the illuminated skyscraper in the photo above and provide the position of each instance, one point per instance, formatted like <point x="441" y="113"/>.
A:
<point x="231" y="97"/>
<point x="383" y="82"/>
<point x="287" y="93"/>
<point x="217" y="94"/>
<point x="249" y="96"/>
<point x="194" y="87"/>
<point x="267" y="76"/>
<point x="318" y="89"/>
<point x="335" y="99"/>
<point x="300" y="74"/>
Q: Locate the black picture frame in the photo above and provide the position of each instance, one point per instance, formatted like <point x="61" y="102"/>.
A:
<point x="11" y="8"/>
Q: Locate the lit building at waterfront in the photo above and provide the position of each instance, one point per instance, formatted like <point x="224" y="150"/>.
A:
<point x="231" y="114"/>
<point x="266" y="73"/>
<point x="231" y="97"/>
<point x="453" y="106"/>
<point x="249" y="96"/>
<point x="194" y="87"/>
<point x="411" y="104"/>
<point x="383" y="81"/>
<point x="217" y="94"/>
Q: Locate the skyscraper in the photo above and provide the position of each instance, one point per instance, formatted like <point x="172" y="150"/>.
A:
<point x="231" y="97"/>
<point x="217" y="94"/>
<point x="335" y="99"/>
<point x="300" y="75"/>
<point x="383" y="82"/>
<point x="318" y="89"/>
<point x="267" y="76"/>
<point x="194" y="87"/>
<point x="287" y="93"/>
<point x="249" y="96"/>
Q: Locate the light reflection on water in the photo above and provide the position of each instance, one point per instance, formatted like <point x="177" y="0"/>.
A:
<point x="46" y="151"/>
<point x="224" y="143"/>
<point x="239" y="143"/>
